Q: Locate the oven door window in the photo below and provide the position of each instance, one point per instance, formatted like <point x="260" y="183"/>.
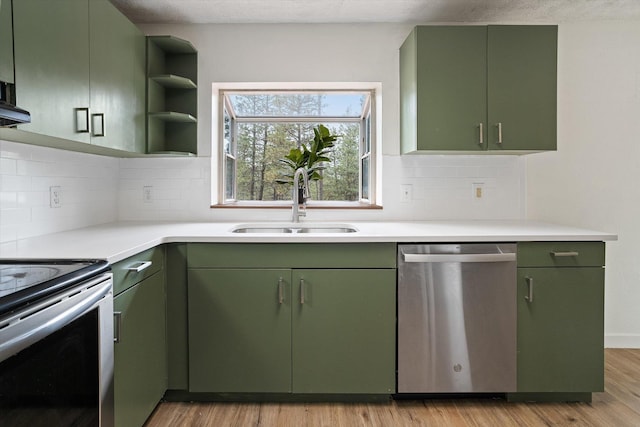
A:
<point x="54" y="382"/>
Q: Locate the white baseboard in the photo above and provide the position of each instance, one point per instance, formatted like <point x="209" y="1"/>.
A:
<point x="622" y="341"/>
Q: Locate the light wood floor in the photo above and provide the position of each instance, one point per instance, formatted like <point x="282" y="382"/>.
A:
<point x="618" y="406"/>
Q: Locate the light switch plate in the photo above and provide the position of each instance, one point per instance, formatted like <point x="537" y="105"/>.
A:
<point x="147" y="194"/>
<point x="477" y="190"/>
<point x="406" y="193"/>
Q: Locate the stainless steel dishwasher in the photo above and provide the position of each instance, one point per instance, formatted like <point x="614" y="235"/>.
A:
<point x="457" y="318"/>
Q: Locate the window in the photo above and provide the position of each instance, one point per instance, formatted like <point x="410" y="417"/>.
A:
<point x="260" y="127"/>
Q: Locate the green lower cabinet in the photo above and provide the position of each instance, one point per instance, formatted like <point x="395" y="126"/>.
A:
<point x="321" y="331"/>
<point x="560" y="330"/>
<point x="343" y="331"/>
<point x="140" y="356"/>
<point x="239" y="330"/>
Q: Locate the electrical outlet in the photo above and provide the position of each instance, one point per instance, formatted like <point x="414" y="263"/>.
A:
<point x="147" y="194"/>
<point x="406" y="193"/>
<point x="478" y="190"/>
<point x="55" y="196"/>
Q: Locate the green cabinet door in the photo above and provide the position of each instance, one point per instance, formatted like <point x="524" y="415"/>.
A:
<point x="140" y="356"/>
<point x="561" y="330"/>
<point x="343" y="331"/>
<point x="473" y="88"/>
<point x="6" y="42"/>
<point x="239" y="330"/>
<point x="522" y="87"/>
<point x="52" y="66"/>
<point x="443" y="87"/>
<point x="117" y="58"/>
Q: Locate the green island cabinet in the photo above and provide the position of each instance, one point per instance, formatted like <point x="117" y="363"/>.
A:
<point x="292" y="318"/>
<point x="478" y="89"/>
<point x="6" y="42"/>
<point x="140" y="348"/>
<point x="172" y="96"/>
<point x="80" y="72"/>
<point x="560" y="320"/>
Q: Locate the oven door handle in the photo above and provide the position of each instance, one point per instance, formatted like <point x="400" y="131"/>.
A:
<point x="23" y="329"/>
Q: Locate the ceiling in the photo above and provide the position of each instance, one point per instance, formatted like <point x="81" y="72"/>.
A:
<point x="388" y="11"/>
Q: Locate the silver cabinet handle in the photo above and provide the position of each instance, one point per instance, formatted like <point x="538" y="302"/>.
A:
<point x="101" y="127"/>
<point x="481" y="138"/>
<point x="143" y="265"/>
<point x="301" y="291"/>
<point x="504" y="257"/>
<point x="117" y="326"/>
<point x="499" y="133"/>
<point x="564" y="254"/>
<point x="280" y="291"/>
<point x="82" y="120"/>
<point x="529" y="296"/>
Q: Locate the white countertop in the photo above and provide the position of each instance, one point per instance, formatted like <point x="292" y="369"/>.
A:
<point x="119" y="240"/>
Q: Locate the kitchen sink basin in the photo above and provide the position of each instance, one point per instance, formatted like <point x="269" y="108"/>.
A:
<point x="295" y="228"/>
<point x="262" y="230"/>
<point x="326" y="230"/>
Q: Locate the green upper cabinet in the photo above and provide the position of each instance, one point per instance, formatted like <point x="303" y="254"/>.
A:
<point x="117" y="62"/>
<point x="80" y="71"/>
<point x="52" y="66"/>
<point x="443" y="88"/>
<point x="522" y="87"/>
<point x="6" y="42"/>
<point x="478" y="88"/>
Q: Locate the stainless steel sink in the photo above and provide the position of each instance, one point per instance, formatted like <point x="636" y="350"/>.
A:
<point x="326" y="230"/>
<point x="295" y="228"/>
<point x="262" y="230"/>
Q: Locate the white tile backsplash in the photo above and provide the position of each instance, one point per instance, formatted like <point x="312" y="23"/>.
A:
<point x="98" y="189"/>
<point x="442" y="187"/>
<point x="89" y="186"/>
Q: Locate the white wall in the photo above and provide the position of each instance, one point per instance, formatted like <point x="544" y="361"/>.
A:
<point x="317" y="53"/>
<point x="593" y="180"/>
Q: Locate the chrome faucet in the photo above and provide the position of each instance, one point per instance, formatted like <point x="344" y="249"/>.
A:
<point x="296" y="212"/>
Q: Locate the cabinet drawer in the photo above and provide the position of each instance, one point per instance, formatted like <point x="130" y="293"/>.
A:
<point x="560" y="254"/>
<point x="291" y="255"/>
<point x="134" y="269"/>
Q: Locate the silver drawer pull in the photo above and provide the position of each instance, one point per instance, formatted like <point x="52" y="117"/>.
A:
<point x="499" y="133"/>
<point x="301" y="291"/>
<point x="564" y="254"/>
<point x="280" y="291"/>
<point x="529" y="296"/>
<point x="143" y="265"/>
<point x="481" y="139"/>
<point x="117" y="326"/>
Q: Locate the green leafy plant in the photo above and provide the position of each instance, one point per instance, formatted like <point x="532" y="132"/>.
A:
<point x="312" y="158"/>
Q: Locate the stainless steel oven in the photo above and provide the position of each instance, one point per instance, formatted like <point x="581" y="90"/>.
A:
<point x="56" y="343"/>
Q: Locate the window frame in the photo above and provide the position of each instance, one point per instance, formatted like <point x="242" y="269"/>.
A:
<point x="368" y="134"/>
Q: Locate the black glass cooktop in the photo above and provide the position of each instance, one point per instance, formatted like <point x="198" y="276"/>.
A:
<point x="25" y="281"/>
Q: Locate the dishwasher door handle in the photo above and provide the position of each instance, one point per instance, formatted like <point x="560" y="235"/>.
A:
<point x="422" y="258"/>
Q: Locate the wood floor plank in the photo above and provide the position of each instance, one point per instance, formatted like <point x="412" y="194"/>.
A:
<point x="618" y="405"/>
